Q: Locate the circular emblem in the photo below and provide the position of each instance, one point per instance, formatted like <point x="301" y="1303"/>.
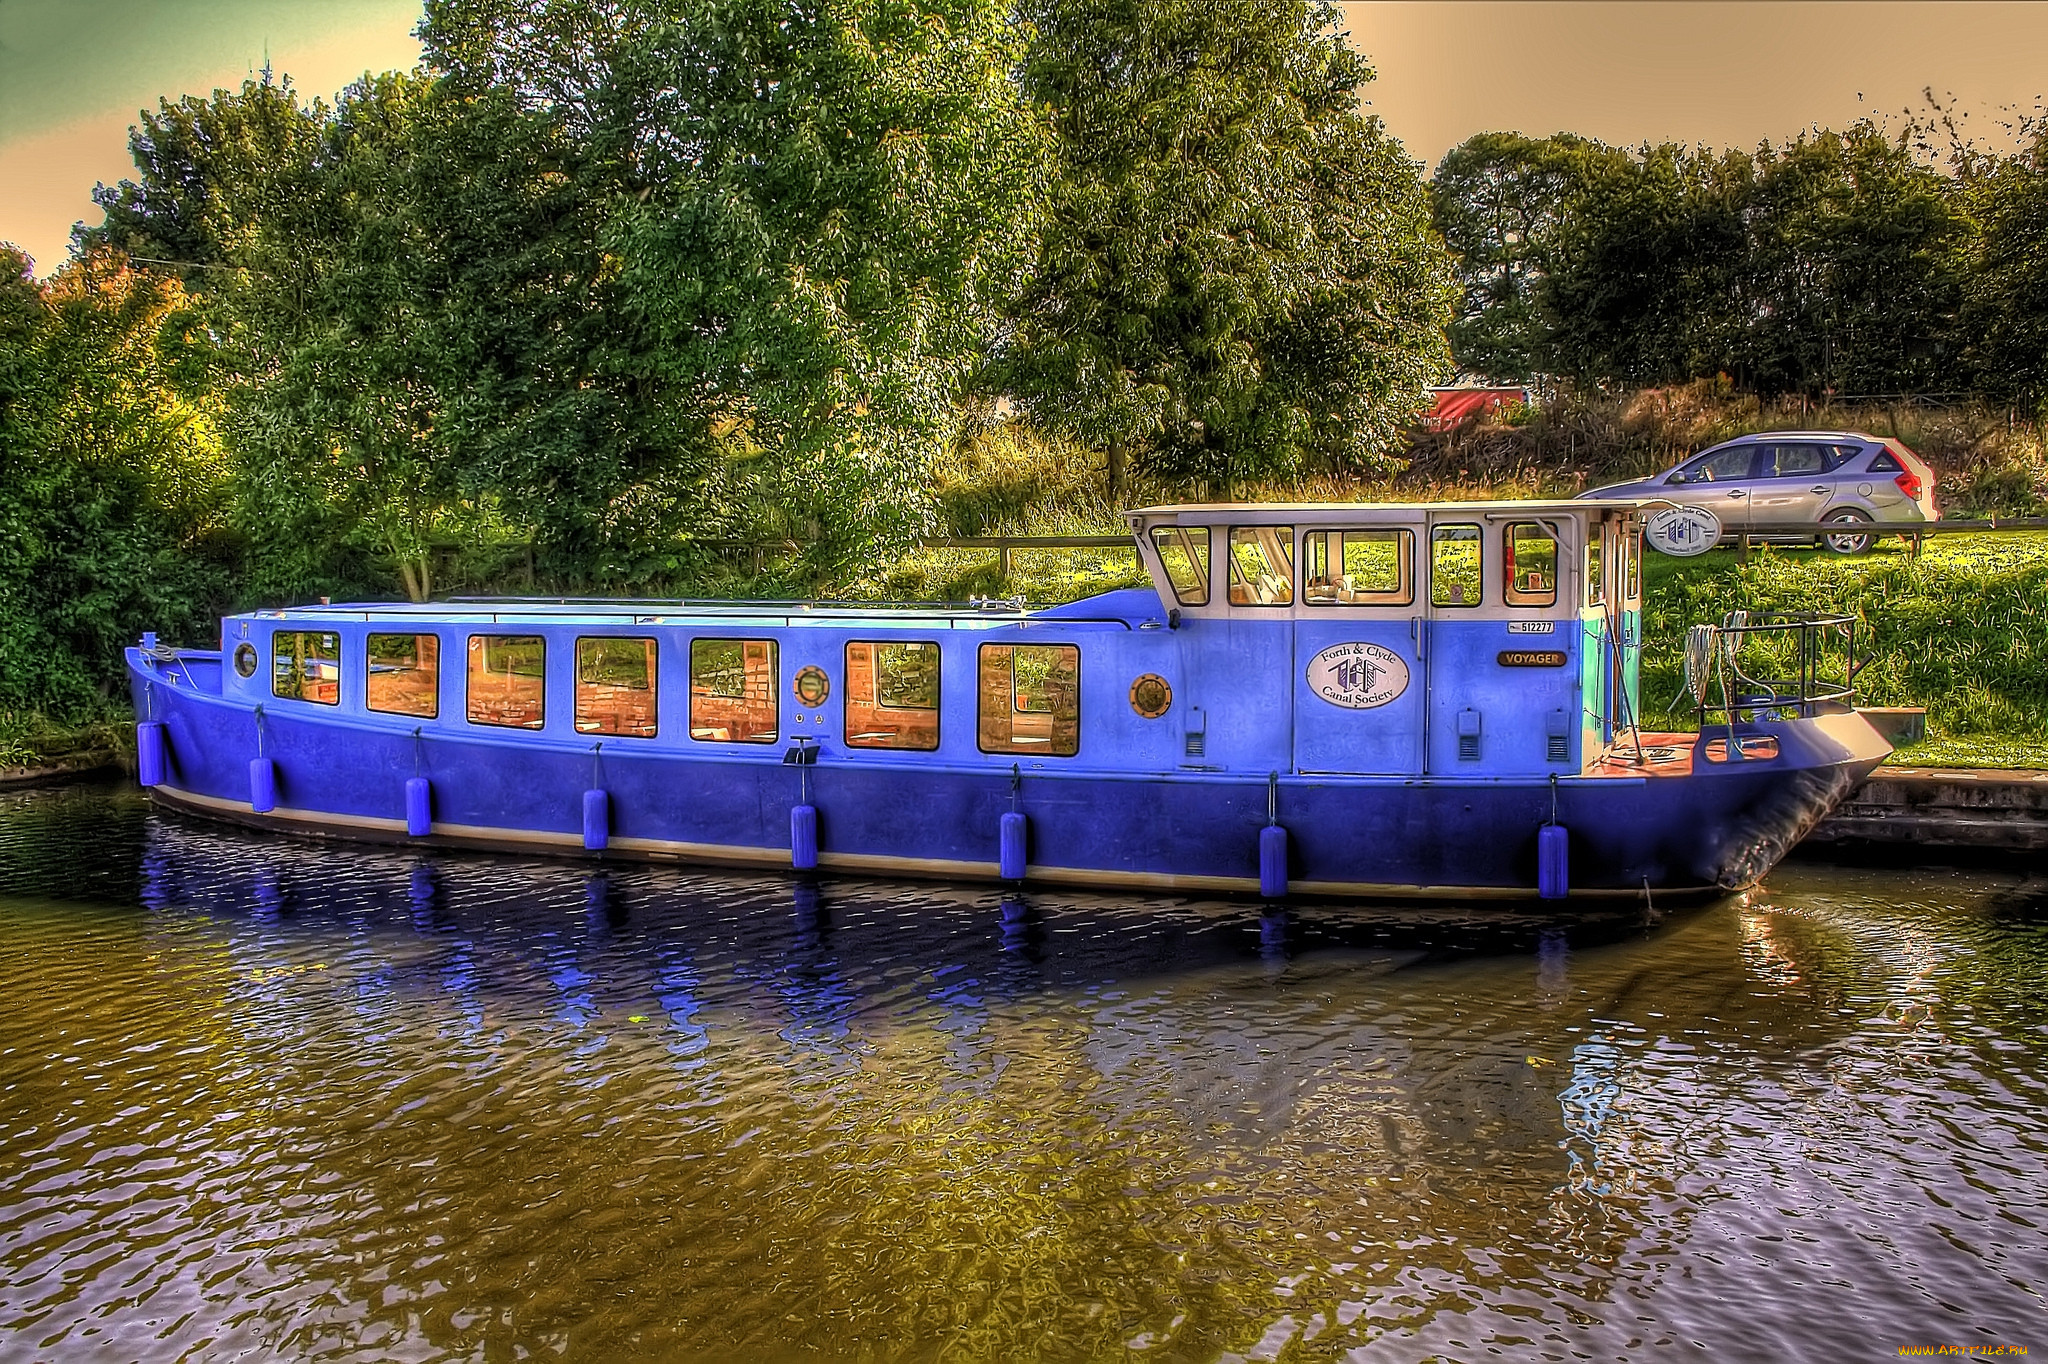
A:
<point x="245" y="659"/>
<point x="1683" y="531"/>
<point x="812" y="686"/>
<point x="1150" y="696"/>
<point x="1358" y="676"/>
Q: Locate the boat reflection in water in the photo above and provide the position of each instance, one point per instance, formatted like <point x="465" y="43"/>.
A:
<point x="348" y="1102"/>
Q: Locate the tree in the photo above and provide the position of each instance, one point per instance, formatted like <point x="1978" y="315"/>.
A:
<point x="816" y="207"/>
<point x="112" y="480"/>
<point x="1644" y="267"/>
<point x="1853" y="271"/>
<point x="1499" y="199"/>
<point x="1236" y="275"/>
<point x="2005" y="311"/>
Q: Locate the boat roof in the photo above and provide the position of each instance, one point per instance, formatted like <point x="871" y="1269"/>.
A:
<point x="1122" y="606"/>
<point x="1286" y="510"/>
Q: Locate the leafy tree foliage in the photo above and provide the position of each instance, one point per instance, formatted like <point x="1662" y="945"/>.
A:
<point x="817" y="207"/>
<point x="112" y="480"/>
<point x="1236" y="275"/>
<point x="1830" y="263"/>
<point x="1499" y="200"/>
<point x="2005" y="312"/>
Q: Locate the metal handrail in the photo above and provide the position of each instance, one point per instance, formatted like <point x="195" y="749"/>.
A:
<point x="1809" y="690"/>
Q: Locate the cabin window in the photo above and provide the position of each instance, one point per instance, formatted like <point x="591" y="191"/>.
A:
<point x="615" y="680"/>
<point x="733" y="696"/>
<point x="1454" y="566"/>
<point x="1530" y="564"/>
<point x="1596" y="565"/>
<point x="1358" y="568"/>
<point x="1632" y="546"/>
<point x="508" y="677"/>
<point x="1261" y="565"/>
<point x="305" y="665"/>
<point x="1030" y="699"/>
<point x="1184" y="553"/>
<point x="892" y="694"/>
<point x="405" y="674"/>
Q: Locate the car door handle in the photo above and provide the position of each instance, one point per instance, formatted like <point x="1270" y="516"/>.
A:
<point x="1820" y="487"/>
<point x="1737" y="492"/>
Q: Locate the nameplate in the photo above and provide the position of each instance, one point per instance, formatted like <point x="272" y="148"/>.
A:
<point x="1531" y="658"/>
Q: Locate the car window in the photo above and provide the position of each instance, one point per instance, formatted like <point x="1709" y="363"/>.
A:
<point x="1790" y="461"/>
<point x="1719" y="466"/>
<point x="1886" y="463"/>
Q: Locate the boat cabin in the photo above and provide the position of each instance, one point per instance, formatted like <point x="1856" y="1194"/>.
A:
<point x="1441" y="642"/>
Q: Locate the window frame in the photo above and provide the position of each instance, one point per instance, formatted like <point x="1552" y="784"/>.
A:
<point x="1207" y="559"/>
<point x="981" y="695"/>
<point x="1682" y="475"/>
<point x="937" y="710"/>
<point x="370" y="671"/>
<point x="339" y="671"/>
<point x="1830" y="460"/>
<point x="774" y="730"/>
<point x="1403" y="596"/>
<point x="1478" y="538"/>
<point x="469" y="676"/>
<point x="577" y="685"/>
<point x="1520" y="597"/>
<point x="1279" y="535"/>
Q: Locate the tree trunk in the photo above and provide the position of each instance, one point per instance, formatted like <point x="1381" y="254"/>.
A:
<point x="1116" y="469"/>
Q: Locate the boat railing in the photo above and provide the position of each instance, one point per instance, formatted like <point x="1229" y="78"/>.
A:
<point x="1759" y="664"/>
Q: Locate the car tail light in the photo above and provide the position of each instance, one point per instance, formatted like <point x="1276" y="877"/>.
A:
<point x="1909" y="484"/>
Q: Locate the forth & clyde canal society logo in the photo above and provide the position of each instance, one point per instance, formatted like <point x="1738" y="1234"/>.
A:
<point x="1357" y="676"/>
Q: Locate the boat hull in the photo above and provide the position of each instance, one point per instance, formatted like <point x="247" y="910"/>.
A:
<point x="1716" y="829"/>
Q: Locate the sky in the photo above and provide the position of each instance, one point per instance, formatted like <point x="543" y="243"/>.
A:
<point x="75" y="73"/>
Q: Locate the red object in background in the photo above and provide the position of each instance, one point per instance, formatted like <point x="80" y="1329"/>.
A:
<point x="1454" y="405"/>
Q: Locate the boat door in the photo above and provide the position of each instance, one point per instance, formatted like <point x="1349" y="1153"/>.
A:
<point x="1597" y="648"/>
<point x="1358" y="648"/>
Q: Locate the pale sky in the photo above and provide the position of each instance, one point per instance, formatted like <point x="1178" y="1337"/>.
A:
<point x="74" y="73"/>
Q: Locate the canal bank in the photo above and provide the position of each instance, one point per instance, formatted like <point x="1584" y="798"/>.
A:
<point x="1950" y="809"/>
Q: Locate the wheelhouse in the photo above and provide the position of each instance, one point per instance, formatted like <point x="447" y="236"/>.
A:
<point x="1470" y="639"/>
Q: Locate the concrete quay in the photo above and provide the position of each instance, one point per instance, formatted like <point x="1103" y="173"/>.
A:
<point x="1940" y="808"/>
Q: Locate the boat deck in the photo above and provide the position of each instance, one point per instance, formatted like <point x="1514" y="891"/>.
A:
<point x="1671" y="755"/>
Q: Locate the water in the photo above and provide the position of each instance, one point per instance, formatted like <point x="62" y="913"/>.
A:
<point x="264" y="1099"/>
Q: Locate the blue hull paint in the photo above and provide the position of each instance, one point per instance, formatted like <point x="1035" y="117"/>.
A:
<point x="1718" y="829"/>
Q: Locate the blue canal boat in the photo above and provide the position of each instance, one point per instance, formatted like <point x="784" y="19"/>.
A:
<point x="1335" y="699"/>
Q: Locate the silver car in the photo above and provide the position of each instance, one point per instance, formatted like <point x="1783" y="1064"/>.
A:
<point x="1831" y="478"/>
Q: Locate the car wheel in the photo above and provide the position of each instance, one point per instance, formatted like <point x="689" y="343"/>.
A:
<point x="1847" y="543"/>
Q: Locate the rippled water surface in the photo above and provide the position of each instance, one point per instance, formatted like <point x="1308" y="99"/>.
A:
<point x="262" y="1099"/>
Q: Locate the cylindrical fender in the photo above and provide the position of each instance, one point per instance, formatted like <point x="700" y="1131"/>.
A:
<point x="803" y="837"/>
<point x="1273" y="862"/>
<point x="419" y="807"/>
<point x="1016" y="829"/>
<point x="149" y="753"/>
<point x="262" y="785"/>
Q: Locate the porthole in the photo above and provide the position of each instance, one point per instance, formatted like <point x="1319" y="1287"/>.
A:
<point x="811" y="686"/>
<point x="245" y="659"/>
<point x="1150" y="696"/>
